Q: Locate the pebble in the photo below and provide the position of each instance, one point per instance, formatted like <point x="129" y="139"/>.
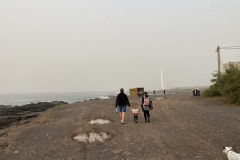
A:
<point x="16" y="152"/>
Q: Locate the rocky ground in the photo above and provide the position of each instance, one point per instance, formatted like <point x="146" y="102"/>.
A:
<point x="182" y="127"/>
<point x="13" y="116"/>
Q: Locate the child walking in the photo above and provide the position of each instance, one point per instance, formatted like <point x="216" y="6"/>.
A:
<point x="135" y="113"/>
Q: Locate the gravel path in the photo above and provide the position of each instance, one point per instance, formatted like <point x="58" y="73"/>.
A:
<point x="182" y="127"/>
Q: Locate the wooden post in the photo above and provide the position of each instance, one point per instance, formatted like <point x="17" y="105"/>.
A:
<point x="219" y="63"/>
<point x="154" y="94"/>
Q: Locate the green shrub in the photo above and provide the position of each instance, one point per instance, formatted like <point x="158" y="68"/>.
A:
<point x="238" y="102"/>
<point x="228" y="85"/>
<point x="212" y="91"/>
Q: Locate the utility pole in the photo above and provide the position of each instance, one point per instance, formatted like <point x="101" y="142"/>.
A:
<point x="219" y="57"/>
<point x="219" y="66"/>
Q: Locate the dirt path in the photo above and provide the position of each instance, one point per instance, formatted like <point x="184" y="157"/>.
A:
<point x="182" y="128"/>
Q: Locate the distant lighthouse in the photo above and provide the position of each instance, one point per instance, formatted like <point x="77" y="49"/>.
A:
<point x="162" y="80"/>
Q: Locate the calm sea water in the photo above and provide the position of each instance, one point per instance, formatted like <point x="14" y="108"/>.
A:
<point x="21" y="99"/>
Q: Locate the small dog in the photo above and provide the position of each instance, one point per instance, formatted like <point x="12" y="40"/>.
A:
<point x="231" y="155"/>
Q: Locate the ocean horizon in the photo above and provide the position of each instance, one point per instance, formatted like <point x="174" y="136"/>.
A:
<point x="14" y="99"/>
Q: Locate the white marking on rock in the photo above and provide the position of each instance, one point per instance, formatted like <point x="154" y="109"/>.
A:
<point x="92" y="137"/>
<point x="81" y="138"/>
<point x="99" y="121"/>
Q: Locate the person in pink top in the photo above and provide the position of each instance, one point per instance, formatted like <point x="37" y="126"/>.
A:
<point x="135" y="111"/>
<point x="146" y="104"/>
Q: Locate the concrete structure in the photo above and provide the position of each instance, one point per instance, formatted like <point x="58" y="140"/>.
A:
<point x="226" y="65"/>
<point x="136" y="92"/>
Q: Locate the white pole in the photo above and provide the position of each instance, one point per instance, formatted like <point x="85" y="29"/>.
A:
<point x="162" y="83"/>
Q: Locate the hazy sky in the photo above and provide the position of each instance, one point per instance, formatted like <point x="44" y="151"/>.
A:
<point x="103" y="45"/>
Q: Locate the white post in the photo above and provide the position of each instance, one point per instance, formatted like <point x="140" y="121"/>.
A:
<point x="162" y="82"/>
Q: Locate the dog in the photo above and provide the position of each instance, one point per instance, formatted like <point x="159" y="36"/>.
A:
<point x="231" y="155"/>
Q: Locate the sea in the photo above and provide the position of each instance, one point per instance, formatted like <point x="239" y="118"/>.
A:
<point x="69" y="97"/>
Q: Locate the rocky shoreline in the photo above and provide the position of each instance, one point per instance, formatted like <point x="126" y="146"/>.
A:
<point x="11" y="116"/>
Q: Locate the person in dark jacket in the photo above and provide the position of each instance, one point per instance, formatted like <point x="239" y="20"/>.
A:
<point x="121" y="102"/>
<point x="146" y="104"/>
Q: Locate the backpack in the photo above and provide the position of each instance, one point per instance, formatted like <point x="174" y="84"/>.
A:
<point x="146" y="101"/>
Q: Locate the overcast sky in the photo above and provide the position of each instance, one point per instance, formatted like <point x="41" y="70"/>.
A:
<point x="103" y="45"/>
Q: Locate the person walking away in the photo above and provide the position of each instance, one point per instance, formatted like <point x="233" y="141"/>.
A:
<point x="135" y="113"/>
<point x="121" y="102"/>
<point x="146" y="104"/>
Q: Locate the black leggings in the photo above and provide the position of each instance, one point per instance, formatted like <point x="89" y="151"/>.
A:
<point x="146" y="114"/>
<point x="135" y="118"/>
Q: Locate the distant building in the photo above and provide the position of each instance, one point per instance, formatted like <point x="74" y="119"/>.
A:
<point x="226" y="65"/>
<point x="136" y="92"/>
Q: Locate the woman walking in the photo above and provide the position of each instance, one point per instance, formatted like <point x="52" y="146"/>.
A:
<point x="146" y="104"/>
<point x="121" y="102"/>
